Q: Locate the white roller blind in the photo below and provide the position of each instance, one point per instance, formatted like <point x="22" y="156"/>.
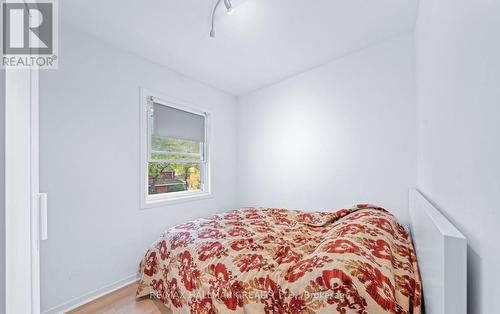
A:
<point x="176" y="123"/>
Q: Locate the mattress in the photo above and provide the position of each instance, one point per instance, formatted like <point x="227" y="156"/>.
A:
<point x="268" y="260"/>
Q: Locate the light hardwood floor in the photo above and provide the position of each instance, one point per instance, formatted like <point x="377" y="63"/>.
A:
<point x="123" y="301"/>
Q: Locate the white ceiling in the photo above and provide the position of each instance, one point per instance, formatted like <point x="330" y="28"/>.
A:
<point x="262" y="42"/>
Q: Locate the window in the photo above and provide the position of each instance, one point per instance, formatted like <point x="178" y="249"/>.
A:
<point x="175" y="164"/>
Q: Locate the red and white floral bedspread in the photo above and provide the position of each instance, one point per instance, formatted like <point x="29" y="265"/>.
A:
<point x="357" y="260"/>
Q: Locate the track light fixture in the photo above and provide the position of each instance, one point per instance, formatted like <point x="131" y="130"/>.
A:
<point x="229" y="6"/>
<point x="229" y="10"/>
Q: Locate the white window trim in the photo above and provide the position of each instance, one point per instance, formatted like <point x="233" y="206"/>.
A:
<point x="150" y="201"/>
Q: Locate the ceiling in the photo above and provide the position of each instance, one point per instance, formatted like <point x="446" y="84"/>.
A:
<point x="261" y="43"/>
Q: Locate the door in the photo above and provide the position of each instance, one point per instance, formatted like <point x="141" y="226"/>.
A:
<point x="22" y="199"/>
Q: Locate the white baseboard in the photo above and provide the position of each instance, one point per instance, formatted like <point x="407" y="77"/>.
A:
<point x="91" y="296"/>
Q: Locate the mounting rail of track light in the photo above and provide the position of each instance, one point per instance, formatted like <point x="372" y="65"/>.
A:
<point x="229" y="10"/>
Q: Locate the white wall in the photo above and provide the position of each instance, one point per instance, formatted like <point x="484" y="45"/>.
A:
<point x="89" y="112"/>
<point x="458" y="44"/>
<point x="340" y="133"/>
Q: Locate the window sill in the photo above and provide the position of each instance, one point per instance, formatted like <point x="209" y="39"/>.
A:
<point x="170" y="200"/>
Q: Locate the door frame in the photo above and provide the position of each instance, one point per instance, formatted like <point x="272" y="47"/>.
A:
<point x="22" y="224"/>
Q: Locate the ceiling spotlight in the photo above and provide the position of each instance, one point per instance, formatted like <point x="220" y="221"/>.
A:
<point x="229" y="6"/>
<point x="229" y="10"/>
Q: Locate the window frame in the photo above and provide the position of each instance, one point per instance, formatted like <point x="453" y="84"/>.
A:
<point x="149" y="201"/>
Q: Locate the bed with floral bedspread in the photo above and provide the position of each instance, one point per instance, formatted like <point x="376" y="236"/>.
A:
<point x="357" y="260"/>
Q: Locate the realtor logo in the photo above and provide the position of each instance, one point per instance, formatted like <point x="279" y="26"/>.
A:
<point x="29" y="34"/>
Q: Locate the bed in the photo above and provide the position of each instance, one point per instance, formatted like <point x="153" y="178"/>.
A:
<point x="355" y="260"/>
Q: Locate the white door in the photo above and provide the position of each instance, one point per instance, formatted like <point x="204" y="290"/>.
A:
<point x="22" y="199"/>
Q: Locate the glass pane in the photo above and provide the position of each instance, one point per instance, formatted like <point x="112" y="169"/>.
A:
<point x="173" y="177"/>
<point x="175" y="145"/>
<point x="174" y="156"/>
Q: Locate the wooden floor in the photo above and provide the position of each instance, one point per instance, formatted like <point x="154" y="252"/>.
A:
<point x="123" y="301"/>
